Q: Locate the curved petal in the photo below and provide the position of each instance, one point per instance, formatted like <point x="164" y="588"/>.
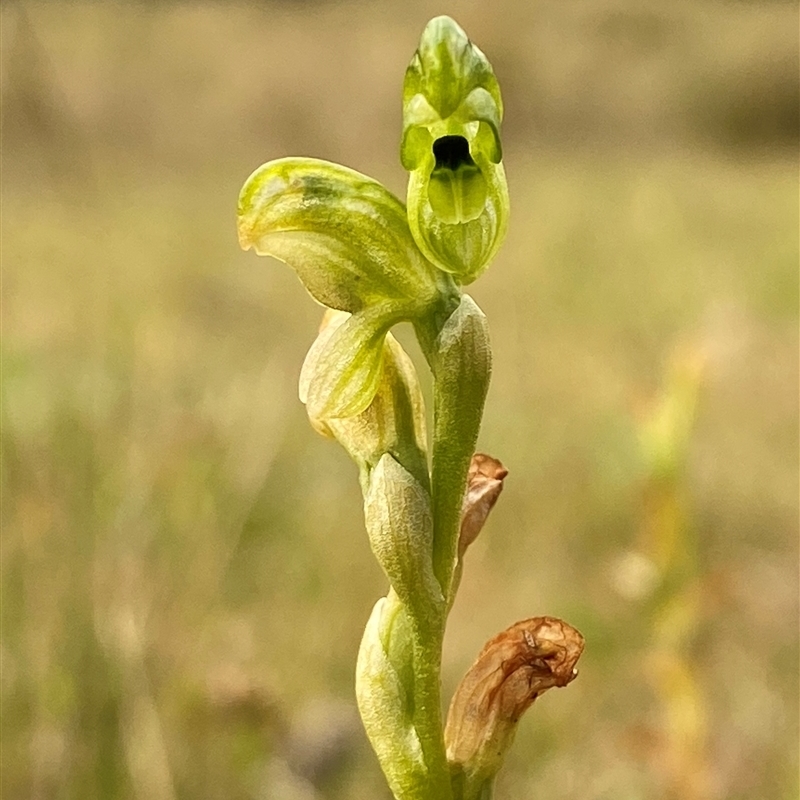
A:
<point x="345" y="235"/>
<point x="342" y="370"/>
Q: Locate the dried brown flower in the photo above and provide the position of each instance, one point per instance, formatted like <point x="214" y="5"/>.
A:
<point x="484" y="484"/>
<point x="512" y="670"/>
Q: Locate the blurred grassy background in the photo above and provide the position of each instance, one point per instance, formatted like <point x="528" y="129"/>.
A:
<point x="185" y="574"/>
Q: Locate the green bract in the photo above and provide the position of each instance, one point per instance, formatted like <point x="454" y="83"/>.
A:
<point x="397" y="511"/>
<point x="457" y="194"/>
<point x="394" y="422"/>
<point x="385" y="704"/>
<point x="342" y="370"/>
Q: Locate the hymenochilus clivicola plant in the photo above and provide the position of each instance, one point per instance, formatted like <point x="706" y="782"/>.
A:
<point x="373" y="262"/>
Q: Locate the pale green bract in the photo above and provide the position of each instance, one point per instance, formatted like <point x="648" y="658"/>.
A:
<point x="399" y="520"/>
<point x="384" y="703"/>
<point x="457" y="193"/>
<point x="394" y="422"/>
<point x="342" y="371"/>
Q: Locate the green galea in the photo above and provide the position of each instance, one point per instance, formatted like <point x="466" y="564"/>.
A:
<point x="457" y="193"/>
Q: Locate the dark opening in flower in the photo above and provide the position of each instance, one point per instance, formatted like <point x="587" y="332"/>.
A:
<point x="452" y="152"/>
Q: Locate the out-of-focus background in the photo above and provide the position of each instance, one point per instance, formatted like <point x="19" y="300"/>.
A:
<point x="185" y="573"/>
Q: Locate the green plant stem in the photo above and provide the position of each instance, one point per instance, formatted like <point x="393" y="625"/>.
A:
<point x="428" y="705"/>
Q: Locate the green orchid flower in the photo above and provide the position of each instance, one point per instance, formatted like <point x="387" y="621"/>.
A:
<point x="457" y="193"/>
<point x="348" y="240"/>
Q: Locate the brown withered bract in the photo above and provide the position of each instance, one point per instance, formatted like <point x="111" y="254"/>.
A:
<point x="512" y="670"/>
<point x="484" y="484"/>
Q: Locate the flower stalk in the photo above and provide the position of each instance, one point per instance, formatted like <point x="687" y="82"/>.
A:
<point x="373" y="262"/>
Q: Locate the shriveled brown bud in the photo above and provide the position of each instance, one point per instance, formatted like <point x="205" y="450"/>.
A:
<point x="484" y="484"/>
<point x="512" y="670"/>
